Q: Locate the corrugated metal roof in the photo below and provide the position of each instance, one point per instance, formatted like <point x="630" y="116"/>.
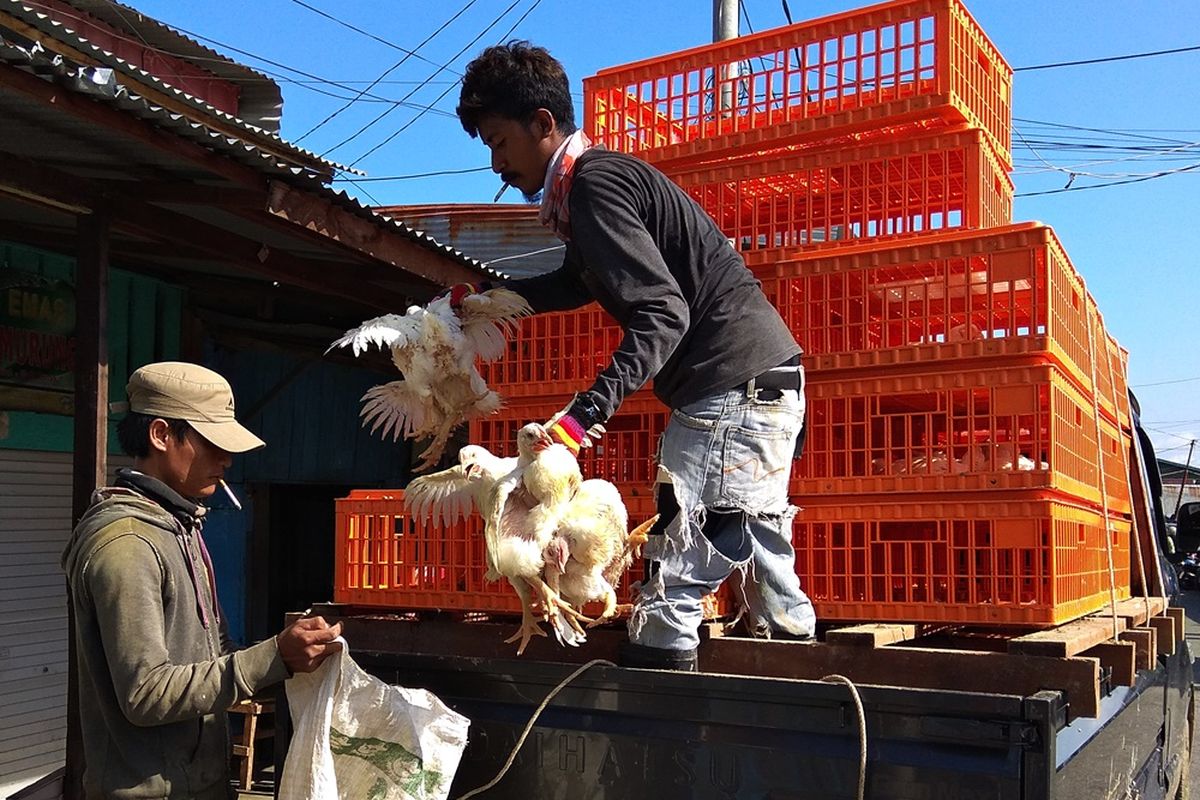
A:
<point x="429" y="239"/>
<point x="99" y="83"/>
<point x="507" y="238"/>
<point x="260" y="100"/>
<point x="60" y="32"/>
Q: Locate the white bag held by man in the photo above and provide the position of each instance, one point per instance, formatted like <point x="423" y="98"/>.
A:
<point x="357" y="738"/>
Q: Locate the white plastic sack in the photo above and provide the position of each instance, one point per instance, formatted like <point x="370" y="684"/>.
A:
<point x="355" y="737"/>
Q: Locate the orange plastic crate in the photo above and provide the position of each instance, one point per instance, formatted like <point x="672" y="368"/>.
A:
<point x="1032" y="562"/>
<point x="1115" y="444"/>
<point x="965" y="431"/>
<point x="962" y="295"/>
<point x="554" y="355"/>
<point x="941" y="181"/>
<point x="886" y="65"/>
<point x="383" y="558"/>
<point x="625" y="455"/>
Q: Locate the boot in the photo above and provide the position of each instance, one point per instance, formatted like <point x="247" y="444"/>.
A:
<point x="643" y="657"/>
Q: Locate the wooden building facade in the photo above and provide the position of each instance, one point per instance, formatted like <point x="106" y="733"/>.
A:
<point x="149" y="211"/>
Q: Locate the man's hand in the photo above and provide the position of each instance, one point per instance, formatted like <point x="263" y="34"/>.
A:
<point x="569" y="427"/>
<point x="460" y="291"/>
<point x="307" y="642"/>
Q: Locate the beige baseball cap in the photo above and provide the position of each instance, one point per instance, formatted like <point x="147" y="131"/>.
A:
<point x="195" y="394"/>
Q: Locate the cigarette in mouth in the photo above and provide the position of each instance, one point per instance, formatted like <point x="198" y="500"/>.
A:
<point x="232" y="497"/>
<point x="499" y="194"/>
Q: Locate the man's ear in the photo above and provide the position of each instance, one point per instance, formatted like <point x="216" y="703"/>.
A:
<point x="159" y="432"/>
<point x="543" y="124"/>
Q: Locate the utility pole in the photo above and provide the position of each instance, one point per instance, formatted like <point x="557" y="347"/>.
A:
<point x="725" y="26"/>
<point x="1183" y="478"/>
<point x="725" y="20"/>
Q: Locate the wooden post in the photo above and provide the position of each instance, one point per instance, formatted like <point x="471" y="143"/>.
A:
<point x="91" y="361"/>
<point x="90" y="460"/>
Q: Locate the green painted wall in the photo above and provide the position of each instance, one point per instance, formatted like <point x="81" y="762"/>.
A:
<point x="143" y="326"/>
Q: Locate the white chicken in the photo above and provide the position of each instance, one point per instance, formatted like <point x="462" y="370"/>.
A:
<point x="435" y="349"/>
<point x="449" y="495"/>
<point x="589" y="552"/>
<point x="520" y="500"/>
<point x="524" y="514"/>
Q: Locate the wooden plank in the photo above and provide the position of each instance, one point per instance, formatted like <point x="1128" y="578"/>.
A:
<point x="91" y="361"/>
<point x="1147" y="649"/>
<point x="1136" y="609"/>
<point x="1069" y="639"/>
<point x="1177" y="614"/>
<point x="1120" y="657"/>
<point x="871" y="635"/>
<point x="924" y="668"/>
<point x="1165" y="634"/>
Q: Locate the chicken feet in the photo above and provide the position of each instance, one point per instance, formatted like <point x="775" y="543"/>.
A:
<point x="530" y="624"/>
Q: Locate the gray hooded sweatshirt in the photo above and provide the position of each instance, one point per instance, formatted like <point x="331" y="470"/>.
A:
<point x="156" y="668"/>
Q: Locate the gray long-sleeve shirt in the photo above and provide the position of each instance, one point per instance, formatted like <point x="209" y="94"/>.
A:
<point x="694" y="318"/>
<point x="156" y="669"/>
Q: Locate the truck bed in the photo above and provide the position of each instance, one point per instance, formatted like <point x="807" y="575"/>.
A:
<point x="733" y="732"/>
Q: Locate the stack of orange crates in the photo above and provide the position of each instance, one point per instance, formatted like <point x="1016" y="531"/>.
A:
<point x="968" y="421"/>
<point x="967" y="413"/>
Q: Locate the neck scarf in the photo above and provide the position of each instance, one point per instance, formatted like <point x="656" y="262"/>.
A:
<point x="191" y="517"/>
<point x="555" y="212"/>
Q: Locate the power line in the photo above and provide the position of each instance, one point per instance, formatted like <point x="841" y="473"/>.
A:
<point x="1168" y="433"/>
<point x="1107" y="59"/>
<point x="1166" y="383"/>
<point x="1149" y="177"/>
<point x="1161" y="450"/>
<point x="366" y="33"/>
<point x="363" y="189"/>
<point x="550" y="249"/>
<point x="1123" y="132"/>
<point x="216" y="59"/>
<point x="449" y="61"/>
<point x="416" y="175"/>
<point x="408" y="54"/>
<point x="117" y="8"/>
<point x="449" y="89"/>
<point x="1075" y="172"/>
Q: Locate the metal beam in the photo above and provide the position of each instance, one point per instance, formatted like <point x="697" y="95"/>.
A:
<point x="350" y="279"/>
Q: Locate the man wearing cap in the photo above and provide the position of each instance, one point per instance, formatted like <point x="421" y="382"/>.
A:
<point x="155" y="664"/>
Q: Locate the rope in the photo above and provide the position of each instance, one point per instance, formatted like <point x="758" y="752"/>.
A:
<point x="533" y="721"/>
<point x="1108" y="551"/>
<point x="862" y="730"/>
<point x="1137" y="540"/>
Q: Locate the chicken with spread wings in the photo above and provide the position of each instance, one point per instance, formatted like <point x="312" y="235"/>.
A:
<point x="521" y="500"/>
<point x="435" y="349"/>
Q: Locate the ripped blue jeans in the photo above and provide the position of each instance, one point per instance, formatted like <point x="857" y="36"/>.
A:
<point x="728" y="458"/>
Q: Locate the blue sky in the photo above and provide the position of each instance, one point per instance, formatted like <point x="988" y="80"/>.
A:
<point x="1136" y="244"/>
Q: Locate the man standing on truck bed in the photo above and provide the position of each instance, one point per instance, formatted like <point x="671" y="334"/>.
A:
<point x="155" y="664"/>
<point x="695" y="320"/>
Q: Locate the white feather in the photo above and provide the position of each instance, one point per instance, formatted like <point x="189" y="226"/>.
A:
<point x="436" y="348"/>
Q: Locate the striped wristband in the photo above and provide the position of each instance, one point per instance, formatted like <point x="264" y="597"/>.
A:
<point x="568" y="431"/>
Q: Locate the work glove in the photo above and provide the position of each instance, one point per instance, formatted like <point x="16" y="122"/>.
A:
<point x="577" y="425"/>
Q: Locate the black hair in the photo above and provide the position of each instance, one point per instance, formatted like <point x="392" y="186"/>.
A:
<point x="513" y="81"/>
<point x="133" y="432"/>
